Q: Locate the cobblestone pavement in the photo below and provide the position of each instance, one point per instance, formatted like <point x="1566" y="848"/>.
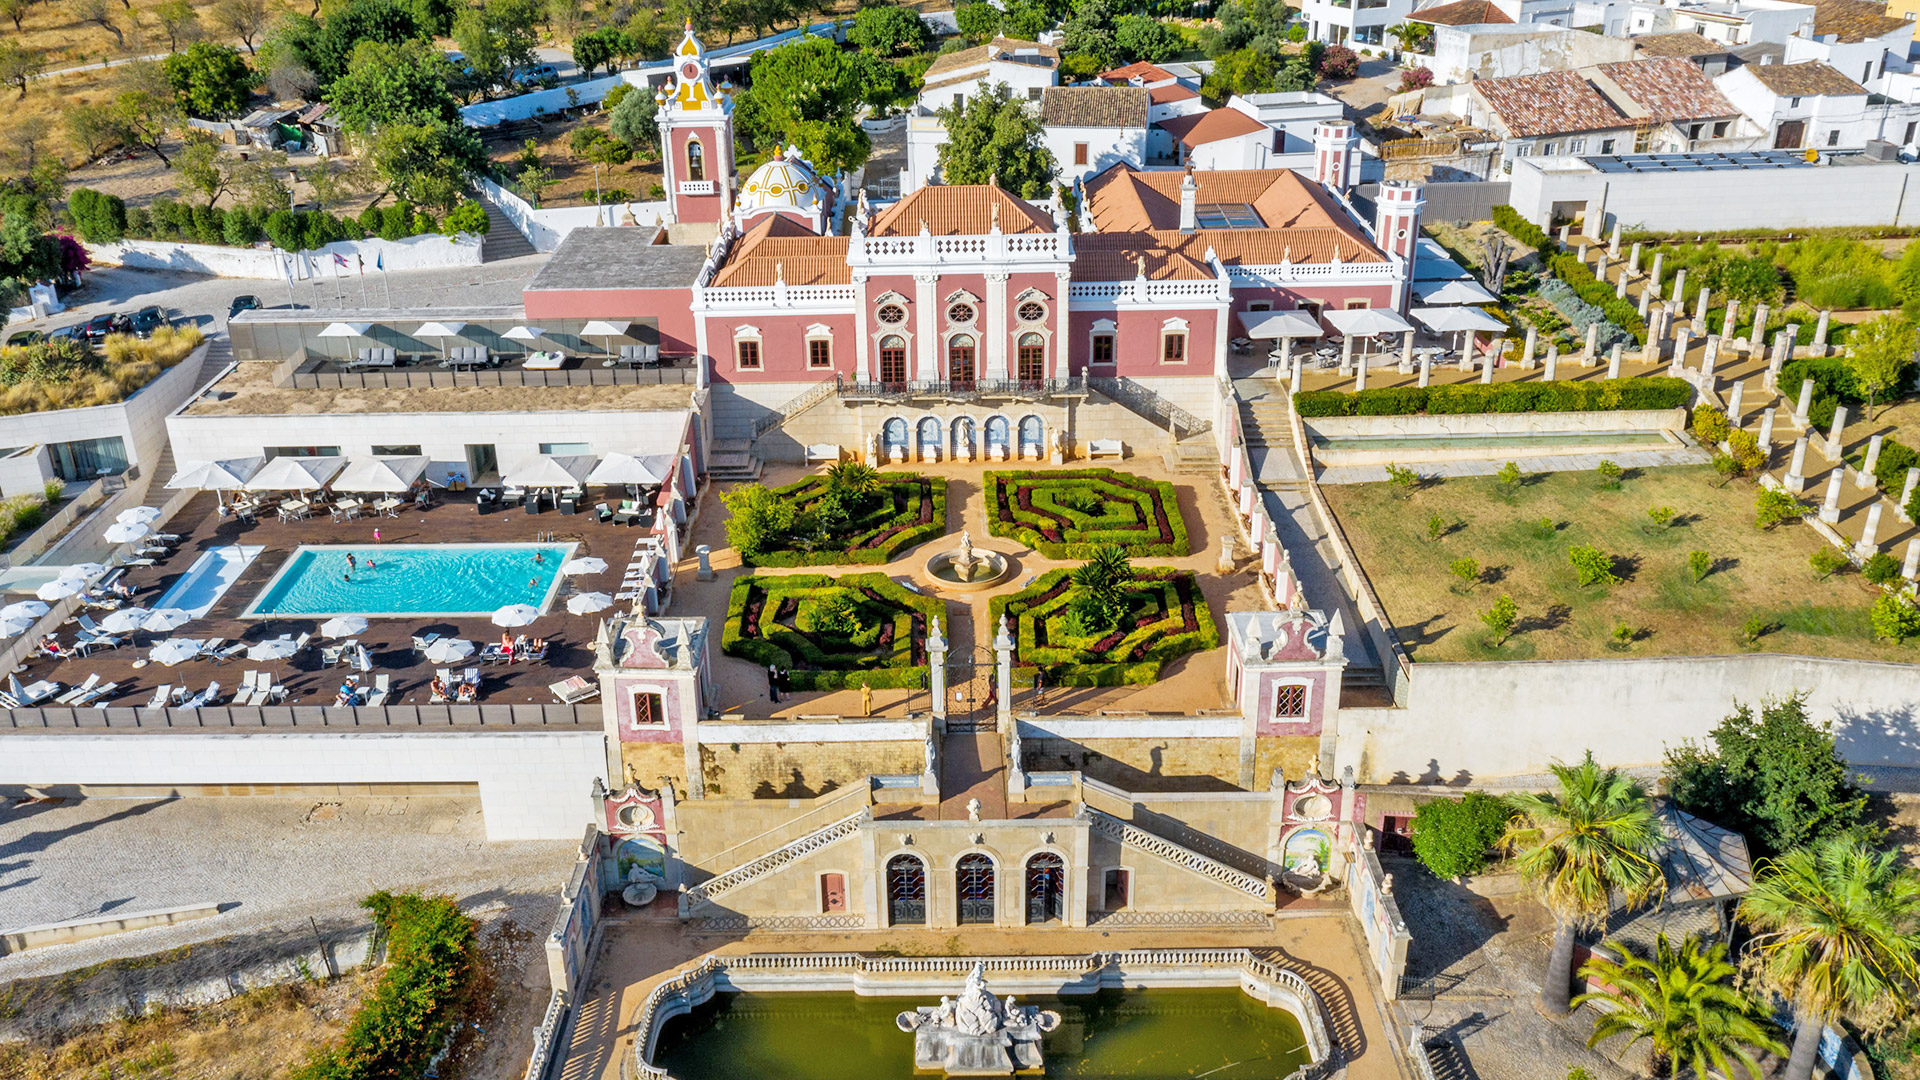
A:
<point x="278" y="861"/>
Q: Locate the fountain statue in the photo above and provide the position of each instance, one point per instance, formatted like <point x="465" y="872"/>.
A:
<point x="964" y="569"/>
<point x="964" y="559"/>
<point x="978" y="1034"/>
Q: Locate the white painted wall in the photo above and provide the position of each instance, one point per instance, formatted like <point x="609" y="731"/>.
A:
<point x="546" y="227"/>
<point x="1881" y="194"/>
<point x="525" y="106"/>
<point x="1019" y="78"/>
<point x="1823" y="115"/>
<point x="1512" y="719"/>
<point x="139" y="421"/>
<point x="533" y="786"/>
<point x="413" y="253"/>
<point x="1253" y="150"/>
<point x="1105" y="147"/>
<point x="1464" y="53"/>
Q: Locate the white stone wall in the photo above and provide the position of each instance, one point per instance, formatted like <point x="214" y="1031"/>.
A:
<point x="1106" y="146"/>
<point x="1794" y="198"/>
<point x="533" y="786"/>
<point x="413" y="253"/>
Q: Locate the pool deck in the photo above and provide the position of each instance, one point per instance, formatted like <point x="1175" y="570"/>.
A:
<point x="452" y="519"/>
<point x="641" y="949"/>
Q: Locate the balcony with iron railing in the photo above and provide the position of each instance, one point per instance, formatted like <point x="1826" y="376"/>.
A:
<point x="963" y="390"/>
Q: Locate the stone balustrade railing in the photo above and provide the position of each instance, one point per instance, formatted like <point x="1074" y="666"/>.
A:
<point x="707" y="891"/>
<point x="1159" y="846"/>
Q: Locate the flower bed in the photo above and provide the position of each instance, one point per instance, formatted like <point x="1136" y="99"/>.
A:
<point x="790" y="621"/>
<point x="1070" y="515"/>
<point x="1166" y="617"/>
<point x="912" y="509"/>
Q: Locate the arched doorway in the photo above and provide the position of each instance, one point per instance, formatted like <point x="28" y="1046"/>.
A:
<point x="960" y="361"/>
<point x="1033" y="358"/>
<point x="999" y="437"/>
<point x="1033" y="438"/>
<point x="974" y="877"/>
<point x="893" y="359"/>
<point x="1046" y="888"/>
<point x="906" y="891"/>
<point x="962" y="441"/>
<point x="929" y="438"/>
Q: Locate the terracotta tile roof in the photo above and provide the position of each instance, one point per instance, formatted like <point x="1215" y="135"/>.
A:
<point x="1116" y="257"/>
<point x="1198" y="129"/>
<point x="997" y="49"/>
<point x="1172" y="92"/>
<point x="1461" y="13"/>
<point x="960" y="210"/>
<point x="1811" y="79"/>
<point x="1549" y="103"/>
<point x="1094" y="106"/>
<point x="1175" y="256"/>
<point x="1139" y="69"/>
<point x="1687" y="43"/>
<point x="1668" y="88"/>
<point x="1854" y="20"/>
<point x="783" y="248"/>
<point x="1297" y="215"/>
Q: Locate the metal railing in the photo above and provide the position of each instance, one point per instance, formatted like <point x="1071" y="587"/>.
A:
<point x="1139" y="399"/>
<point x="965" y="390"/>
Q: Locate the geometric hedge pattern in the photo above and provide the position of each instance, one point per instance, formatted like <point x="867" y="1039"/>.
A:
<point x="1166" y="617"/>
<point x="908" y="509"/>
<point x="778" y="620"/>
<point x="1071" y="514"/>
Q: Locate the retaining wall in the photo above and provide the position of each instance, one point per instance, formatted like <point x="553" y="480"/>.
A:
<point x="413" y="253"/>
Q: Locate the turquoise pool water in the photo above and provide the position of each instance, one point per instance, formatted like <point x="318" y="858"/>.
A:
<point x="413" y="579"/>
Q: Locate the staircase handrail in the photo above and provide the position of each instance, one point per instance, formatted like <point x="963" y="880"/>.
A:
<point x="1149" y="404"/>
<point x="713" y="888"/>
<point x="1178" y="854"/>
<point x="832" y="800"/>
<point x="814" y="395"/>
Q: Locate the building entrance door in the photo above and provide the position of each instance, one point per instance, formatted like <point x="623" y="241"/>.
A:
<point x="482" y="460"/>
<point x="1046" y="889"/>
<point x="1789" y="134"/>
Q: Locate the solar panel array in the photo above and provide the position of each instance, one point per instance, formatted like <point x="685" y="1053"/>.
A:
<point x="1691" y="163"/>
<point x="1227" y="216"/>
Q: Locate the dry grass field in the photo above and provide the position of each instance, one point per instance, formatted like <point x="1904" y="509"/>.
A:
<point x="1520" y="538"/>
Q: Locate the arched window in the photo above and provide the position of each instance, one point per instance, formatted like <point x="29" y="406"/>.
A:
<point x="696" y="160"/>
<point x="893" y="358"/>
<point x="960" y="361"/>
<point x="1033" y="358"/>
<point x="1046" y="888"/>
<point x="906" y="891"/>
<point x="974" y="876"/>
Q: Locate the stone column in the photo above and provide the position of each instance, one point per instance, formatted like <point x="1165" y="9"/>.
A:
<point x="1653" y="278"/>
<point x="1732" y="319"/>
<point x="1834" y="434"/>
<point x="1820" y="333"/>
<point x="1867" y="478"/>
<point x="1805" y="404"/>
<point x="1867" y="548"/>
<point x="1566" y="232"/>
<point x="1003" y="673"/>
<point x="1911" y="567"/>
<point x="1593" y="343"/>
<point x="1493" y="357"/>
<point x="1633" y="259"/>
<point x="1346" y="354"/>
<point x="1796" y="479"/>
<point x="1679" y="285"/>
<point x="1906" y="496"/>
<point x="1613" y="361"/>
<point x="1293" y="379"/>
<point x="1360" y="376"/>
<point x="1682" y="340"/>
<point x="1771" y="380"/>
<point x="1426" y="368"/>
<point x="1707" y="361"/>
<point x="1766" y="429"/>
<point x="937" y="674"/>
<point x="1646" y="301"/>
<point x="1613" y="246"/>
<point x="1830" y="506"/>
<point x="1553" y="363"/>
<point x="1620" y="287"/>
<point x="1758" y="337"/>
<point x="1583" y="253"/>
<point x="1526" y="350"/>
<point x="1734" y="400"/>
<point x="1700" y="307"/>
<point x="1406" y="354"/>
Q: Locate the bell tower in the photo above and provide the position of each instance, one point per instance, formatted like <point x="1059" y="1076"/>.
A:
<point x="696" y="137"/>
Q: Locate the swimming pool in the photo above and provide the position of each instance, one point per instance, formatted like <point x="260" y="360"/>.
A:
<point x="207" y="580"/>
<point x="412" y="579"/>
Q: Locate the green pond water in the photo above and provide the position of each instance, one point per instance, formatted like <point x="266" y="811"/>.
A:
<point x="1221" y="1034"/>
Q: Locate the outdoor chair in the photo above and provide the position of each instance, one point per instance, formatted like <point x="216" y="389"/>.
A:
<point x="79" y="691"/>
<point x="209" y="696"/>
<point x="95" y="694"/>
<point x="377" y="697"/>
<point x="574" y="690"/>
<point x="602" y="513"/>
<point x="244" y="695"/>
<point x="223" y="655"/>
<point x="162" y="696"/>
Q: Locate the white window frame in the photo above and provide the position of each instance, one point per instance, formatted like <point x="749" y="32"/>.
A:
<point x="749" y="333"/>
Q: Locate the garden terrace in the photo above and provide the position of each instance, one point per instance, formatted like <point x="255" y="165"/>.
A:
<point x="1072" y="513"/>
<point x="1166" y="617"/>
<point x="1519" y="536"/>
<point x="831" y="633"/>
<point x="907" y="509"/>
<point x="66" y="375"/>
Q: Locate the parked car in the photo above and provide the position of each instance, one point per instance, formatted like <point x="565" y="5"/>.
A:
<point x="98" y="327"/>
<point x="148" y="319"/>
<point x="76" y="332"/>
<point x="243" y="302"/>
<point x="536" y="74"/>
<point x="27" y="337"/>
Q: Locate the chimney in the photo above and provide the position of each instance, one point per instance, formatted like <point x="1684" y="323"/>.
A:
<point x="1188" y="218"/>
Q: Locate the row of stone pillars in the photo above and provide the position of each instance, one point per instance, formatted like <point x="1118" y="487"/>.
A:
<point x="1003" y="672"/>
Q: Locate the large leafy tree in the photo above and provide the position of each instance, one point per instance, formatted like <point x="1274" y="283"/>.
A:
<point x="1775" y="777"/>
<point x="808" y="92"/>
<point x="1451" y="837"/>
<point x="244" y="19"/>
<point x="19" y="65"/>
<point x="1251" y="24"/>
<point x="427" y="164"/>
<point x="1834" y="930"/>
<point x="1137" y="37"/>
<point x="635" y="120"/>
<point x="325" y="47"/>
<point x="890" y="31"/>
<point x="1684" y="1004"/>
<point x="393" y="84"/>
<point x="495" y="39"/>
<point x="1089" y="35"/>
<point x="977" y="21"/>
<point x="597" y="48"/>
<point x="210" y="80"/>
<point x="143" y="118"/>
<point x="993" y="138"/>
<point x="1579" y="847"/>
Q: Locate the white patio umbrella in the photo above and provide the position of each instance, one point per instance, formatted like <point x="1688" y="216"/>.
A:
<point x="81" y="571"/>
<point x="549" y="471"/>
<point x="125" y="533"/>
<point x="275" y="649"/>
<point x="1457" y="291"/>
<point x="583" y="566"/>
<point x="632" y="469"/>
<point x="125" y="620"/>
<point x="1368" y="322"/>
<point x="345" y="330"/>
<point x="228" y="475"/>
<point x="587" y="603"/>
<point x="164" y="619"/>
<point x="141" y="515"/>
<point x="515" y="615"/>
<point x="343" y="626"/>
<point x="24" y="609"/>
<point x="606" y="332"/>
<point x="14" y="627"/>
<point x="390" y="475"/>
<point x="59" y="588"/>
<point x="440" y="330"/>
<point x="296" y="474"/>
<point x="449" y="650"/>
<point x="525" y="333"/>
<point x="1466" y="321"/>
<point x="1283" y="326"/>
<point x="173" y="651"/>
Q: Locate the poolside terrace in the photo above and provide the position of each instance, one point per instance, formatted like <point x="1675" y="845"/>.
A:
<point x="252" y="388"/>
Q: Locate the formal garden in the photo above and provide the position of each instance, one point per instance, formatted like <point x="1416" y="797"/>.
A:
<point x="1105" y="623"/>
<point x="1072" y="514"/>
<point x="1660" y="561"/>
<point x="831" y="633"/>
<point x="850" y="515"/>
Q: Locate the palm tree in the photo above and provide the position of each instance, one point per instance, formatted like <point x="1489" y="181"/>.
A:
<point x="1684" y="1004"/>
<point x="1835" y="933"/>
<point x="1102" y="582"/>
<point x="853" y="477"/>
<point x="1576" y="849"/>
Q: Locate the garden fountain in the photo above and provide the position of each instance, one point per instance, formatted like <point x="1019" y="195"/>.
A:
<point x="965" y="569"/>
<point x="978" y="1034"/>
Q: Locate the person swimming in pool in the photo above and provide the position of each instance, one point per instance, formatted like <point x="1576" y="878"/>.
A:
<point x="352" y="563"/>
<point x="369" y="566"/>
<point x="539" y="558"/>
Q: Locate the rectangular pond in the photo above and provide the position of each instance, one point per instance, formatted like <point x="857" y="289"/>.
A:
<point x="1155" y="1034"/>
<point x="412" y="580"/>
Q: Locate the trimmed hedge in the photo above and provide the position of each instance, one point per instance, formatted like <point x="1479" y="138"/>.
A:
<point x="889" y="654"/>
<point x="915" y="511"/>
<point x="1137" y="515"/>
<point x="1521" y="229"/>
<point x="1619" y="311"/>
<point x="1604" y="395"/>
<point x="1177" y="623"/>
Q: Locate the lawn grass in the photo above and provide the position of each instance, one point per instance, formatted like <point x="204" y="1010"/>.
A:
<point x="1754" y="573"/>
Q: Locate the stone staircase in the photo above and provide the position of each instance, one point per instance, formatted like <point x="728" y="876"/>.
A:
<point x="1266" y="428"/>
<point x="219" y="354"/>
<point x="1130" y="835"/>
<point x="733" y="460"/>
<point x="503" y="240"/>
<point x="1195" y="455"/>
<point x="1144" y="402"/>
<point x="773" y="861"/>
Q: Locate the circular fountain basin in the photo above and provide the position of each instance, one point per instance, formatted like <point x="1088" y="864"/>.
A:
<point x="989" y="568"/>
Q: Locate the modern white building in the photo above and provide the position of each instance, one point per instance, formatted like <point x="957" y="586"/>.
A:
<point x="1222" y="139"/>
<point x="1723" y="22"/>
<point x="1811" y="105"/>
<point x="1353" y="22"/>
<point x="1089" y="128"/>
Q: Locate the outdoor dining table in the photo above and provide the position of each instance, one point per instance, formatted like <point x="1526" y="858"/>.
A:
<point x="390" y="506"/>
<point x="293" y="509"/>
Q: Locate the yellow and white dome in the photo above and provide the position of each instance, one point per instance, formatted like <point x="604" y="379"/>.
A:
<point x="784" y="183"/>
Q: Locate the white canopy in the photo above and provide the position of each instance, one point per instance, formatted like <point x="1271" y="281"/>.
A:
<point x="343" y="626"/>
<point x="1457" y="291"/>
<point x="632" y="469"/>
<point x="587" y="603"/>
<point x="1367" y="322"/>
<point x="279" y="648"/>
<point x="603" y="328"/>
<point x="388" y="474"/>
<point x="173" y="651"/>
<point x="449" y="650"/>
<point x="440" y="329"/>
<point x="24" y="609"/>
<point x="138" y="515"/>
<point x="165" y="619"/>
<point x="59" y="588"/>
<point x="225" y="475"/>
<point x="1444" y="320"/>
<point x="1280" y="324"/>
<point x="120" y="532"/>
<point x="549" y="471"/>
<point x="571" y="567"/>
<point x="296" y="473"/>
<point x="346" y="329"/>
<point x="524" y="333"/>
<point x="515" y="615"/>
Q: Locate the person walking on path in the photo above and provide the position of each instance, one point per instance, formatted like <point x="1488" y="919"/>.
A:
<point x="773" y="684"/>
<point x="866" y="700"/>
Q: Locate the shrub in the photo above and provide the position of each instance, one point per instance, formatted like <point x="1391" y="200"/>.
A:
<point x="1402" y="477"/>
<point x="1467" y="570"/>
<point x="1610" y="474"/>
<point x="1649" y="392"/>
<point x="1339" y="62"/>
<point x="1415" y="79"/>
<point x="1747" y="457"/>
<point x="1167" y="616"/>
<point x="818" y="522"/>
<point x="778" y="620"/>
<point x="1436" y="527"/>
<point x="1754" y="629"/>
<point x="100" y="218"/>
<point x="1894" y="617"/>
<point x="1139" y="515"/>
<point x="1521" y="229"/>
<point x="1826" y="562"/>
<point x="1881" y="568"/>
<point x="1592" y="566"/>
<point x="1581" y="314"/>
<point x="1543" y="528"/>
<point x="469" y="217"/>
<point x="1710" y="425"/>
<point x="1500" y="618"/>
<point x="1661" y="516"/>
<point x="1509" y="473"/>
<point x="1776" y="507"/>
<point x="67" y="374"/>
<point x="1699" y="565"/>
<point x="1452" y="838"/>
<point x="1618" y="310"/>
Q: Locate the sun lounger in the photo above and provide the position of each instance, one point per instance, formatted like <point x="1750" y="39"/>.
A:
<point x="575" y="690"/>
<point x="422" y="641"/>
<point x="209" y="696"/>
<point x="381" y="688"/>
<point x="228" y="653"/>
<point x="21" y="697"/>
<point x="78" y="692"/>
<point x="95" y="694"/>
<point x="334" y="654"/>
<point x="85" y="643"/>
<point x="244" y="695"/>
<point x="162" y="696"/>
